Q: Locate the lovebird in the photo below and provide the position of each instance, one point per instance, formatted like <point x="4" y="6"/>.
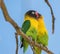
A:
<point x="34" y="27"/>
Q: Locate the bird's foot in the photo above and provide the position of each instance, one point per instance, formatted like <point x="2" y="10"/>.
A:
<point x="43" y="46"/>
<point x="30" y="39"/>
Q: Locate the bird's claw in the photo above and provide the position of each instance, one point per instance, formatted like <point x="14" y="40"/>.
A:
<point x="30" y="38"/>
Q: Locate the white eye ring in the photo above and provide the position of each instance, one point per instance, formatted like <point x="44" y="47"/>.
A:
<point x="32" y="12"/>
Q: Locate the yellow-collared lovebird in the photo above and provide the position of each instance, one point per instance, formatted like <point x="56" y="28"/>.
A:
<point x="34" y="27"/>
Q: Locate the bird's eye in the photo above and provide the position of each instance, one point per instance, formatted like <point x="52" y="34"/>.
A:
<point x="33" y="13"/>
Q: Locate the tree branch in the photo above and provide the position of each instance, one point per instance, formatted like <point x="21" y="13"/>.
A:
<point x="18" y="30"/>
<point x="0" y="3"/>
<point x="53" y="17"/>
<point x="16" y="36"/>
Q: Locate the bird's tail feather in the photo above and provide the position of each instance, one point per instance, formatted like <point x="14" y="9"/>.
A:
<point x="25" y="47"/>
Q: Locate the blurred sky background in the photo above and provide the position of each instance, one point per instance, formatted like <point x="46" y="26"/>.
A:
<point x="17" y="9"/>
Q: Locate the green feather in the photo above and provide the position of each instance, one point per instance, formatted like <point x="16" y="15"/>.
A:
<point x="26" y="25"/>
<point x="32" y="32"/>
<point x="43" y="39"/>
<point x="29" y="31"/>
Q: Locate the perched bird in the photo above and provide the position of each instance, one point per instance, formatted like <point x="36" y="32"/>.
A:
<point x="34" y="27"/>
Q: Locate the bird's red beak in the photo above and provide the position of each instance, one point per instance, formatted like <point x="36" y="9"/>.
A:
<point x="36" y="13"/>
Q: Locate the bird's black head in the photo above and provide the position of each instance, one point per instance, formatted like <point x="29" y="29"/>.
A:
<point x="33" y="13"/>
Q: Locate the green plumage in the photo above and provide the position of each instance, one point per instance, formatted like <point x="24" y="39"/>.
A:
<point x="34" y="27"/>
<point x="43" y="39"/>
<point x="32" y="32"/>
<point x="25" y="27"/>
<point x="29" y="31"/>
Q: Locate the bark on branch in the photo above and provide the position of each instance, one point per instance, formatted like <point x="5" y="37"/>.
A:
<point x="0" y="3"/>
<point x="16" y="36"/>
<point x="53" y="17"/>
<point x="18" y="30"/>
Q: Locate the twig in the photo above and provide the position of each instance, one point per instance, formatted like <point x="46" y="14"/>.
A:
<point x="32" y="49"/>
<point x="16" y="36"/>
<point x="53" y="17"/>
<point x="0" y="3"/>
<point x="18" y="30"/>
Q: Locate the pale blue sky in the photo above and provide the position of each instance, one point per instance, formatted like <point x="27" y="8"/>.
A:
<point x="16" y="9"/>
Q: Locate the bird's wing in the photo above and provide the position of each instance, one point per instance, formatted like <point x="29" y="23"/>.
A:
<point x="25" y="27"/>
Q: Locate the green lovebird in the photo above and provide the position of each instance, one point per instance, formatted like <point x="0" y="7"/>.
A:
<point x="34" y="27"/>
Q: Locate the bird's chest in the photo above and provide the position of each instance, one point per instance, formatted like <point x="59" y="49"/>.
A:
<point x="41" y="29"/>
<point x="34" y="24"/>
